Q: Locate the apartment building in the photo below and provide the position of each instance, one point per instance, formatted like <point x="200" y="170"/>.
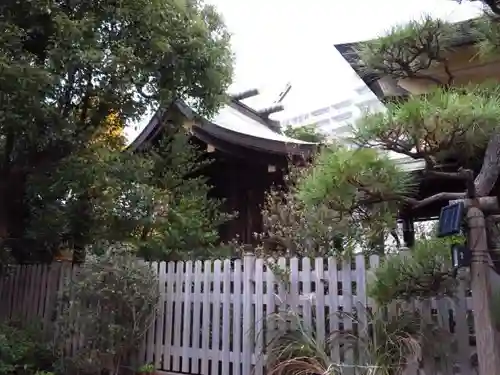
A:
<point x="335" y="120"/>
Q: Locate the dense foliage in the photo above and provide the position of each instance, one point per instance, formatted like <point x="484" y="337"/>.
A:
<point x="307" y="133"/>
<point x="109" y="304"/>
<point x="320" y="213"/>
<point x="173" y="214"/>
<point x="453" y="129"/>
<point x="423" y="272"/>
<point x="71" y="78"/>
<point x="292" y="229"/>
<point x="24" y="349"/>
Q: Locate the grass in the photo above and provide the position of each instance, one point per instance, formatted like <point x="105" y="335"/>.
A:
<point x="380" y="345"/>
<point x="296" y="350"/>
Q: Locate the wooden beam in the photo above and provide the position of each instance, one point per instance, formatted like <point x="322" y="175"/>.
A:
<point x="489" y="205"/>
<point x="245" y="95"/>
<point x="270" y="110"/>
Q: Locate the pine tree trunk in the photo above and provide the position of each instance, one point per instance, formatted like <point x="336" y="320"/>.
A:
<point x="490" y="170"/>
<point x="81" y="226"/>
<point x="13" y="216"/>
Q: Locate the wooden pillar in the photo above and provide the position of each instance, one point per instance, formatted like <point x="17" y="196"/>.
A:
<point x="486" y="339"/>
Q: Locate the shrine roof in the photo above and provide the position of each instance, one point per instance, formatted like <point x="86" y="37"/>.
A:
<point x="235" y="123"/>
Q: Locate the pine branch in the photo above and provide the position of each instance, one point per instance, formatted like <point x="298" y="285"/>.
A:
<point x="415" y="203"/>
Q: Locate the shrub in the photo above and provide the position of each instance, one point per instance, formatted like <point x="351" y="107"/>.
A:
<point x="424" y="272"/>
<point x="23" y="350"/>
<point x="113" y="296"/>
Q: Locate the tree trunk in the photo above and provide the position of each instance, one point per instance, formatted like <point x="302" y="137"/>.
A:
<point x="13" y="216"/>
<point x="81" y="226"/>
<point x="490" y="170"/>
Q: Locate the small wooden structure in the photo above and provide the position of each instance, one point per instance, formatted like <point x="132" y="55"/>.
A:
<point x="250" y="155"/>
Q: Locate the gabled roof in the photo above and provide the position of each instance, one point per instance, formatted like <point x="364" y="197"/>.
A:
<point x="235" y="124"/>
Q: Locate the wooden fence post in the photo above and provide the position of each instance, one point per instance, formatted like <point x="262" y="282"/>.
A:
<point x="487" y="346"/>
<point x="248" y="313"/>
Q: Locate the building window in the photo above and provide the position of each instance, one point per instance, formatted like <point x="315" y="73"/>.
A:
<point x="323" y="123"/>
<point x="342" y="117"/>
<point x="343" y="129"/>
<point x="342" y="104"/>
<point x="306" y="117"/>
<point x="320" y="111"/>
<point x="297" y="120"/>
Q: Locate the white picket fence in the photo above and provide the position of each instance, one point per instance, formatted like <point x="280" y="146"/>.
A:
<point x="212" y="315"/>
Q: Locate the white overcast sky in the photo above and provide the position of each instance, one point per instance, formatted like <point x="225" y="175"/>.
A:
<point x="276" y="41"/>
<point x="280" y="41"/>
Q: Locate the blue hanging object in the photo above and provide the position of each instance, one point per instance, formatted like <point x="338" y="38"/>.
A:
<point x="450" y="219"/>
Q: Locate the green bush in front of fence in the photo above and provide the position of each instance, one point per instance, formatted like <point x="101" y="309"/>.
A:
<point x="107" y="307"/>
<point x="24" y="350"/>
<point x="424" y="272"/>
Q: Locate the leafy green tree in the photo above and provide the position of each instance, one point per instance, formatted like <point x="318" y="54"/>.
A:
<point x="173" y="216"/>
<point x="65" y="68"/>
<point x="158" y="200"/>
<point x="307" y="133"/>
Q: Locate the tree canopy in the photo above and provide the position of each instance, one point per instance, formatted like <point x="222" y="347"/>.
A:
<point x="72" y="76"/>
<point x="453" y="129"/>
<point x="307" y="133"/>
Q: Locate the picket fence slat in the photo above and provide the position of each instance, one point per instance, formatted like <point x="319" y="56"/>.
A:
<point x="361" y="303"/>
<point x="187" y="323"/>
<point x="226" y="319"/>
<point x="259" y="315"/>
<point x="17" y="288"/>
<point x="215" y="322"/>
<point x="160" y="317"/>
<point x="319" y="301"/>
<point x="197" y="287"/>
<point x="177" y="321"/>
<point x="271" y="299"/>
<point x="206" y="317"/>
<point x="237" y="348"/>
<point x="248" y="314"/>
<point x="348" y="309"/>
<point x="306" y="292"/>
<point x="333" y="289"/>
<point x="213" y="316"/>
<point x="283" y="289"/>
